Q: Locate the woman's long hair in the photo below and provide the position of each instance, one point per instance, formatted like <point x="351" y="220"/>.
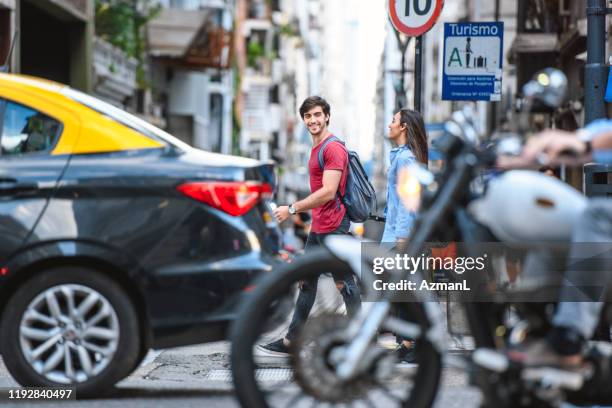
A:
<point x="416" y="134"/>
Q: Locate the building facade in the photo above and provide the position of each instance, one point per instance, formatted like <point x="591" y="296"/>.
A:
<point x="259" y="75"/>
<point x="190" y="44"/>
<point x="54" y="41"/>
<point x="186" y="84"/>
<point x="302" y="71"/>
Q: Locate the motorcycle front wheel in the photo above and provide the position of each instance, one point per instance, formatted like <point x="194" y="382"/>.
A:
<point x="305" y="377"/>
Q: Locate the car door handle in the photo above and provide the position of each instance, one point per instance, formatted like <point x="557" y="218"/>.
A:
<point x="11" y="184"/>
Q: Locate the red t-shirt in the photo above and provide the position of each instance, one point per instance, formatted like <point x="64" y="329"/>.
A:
<point x="328" y="217"/>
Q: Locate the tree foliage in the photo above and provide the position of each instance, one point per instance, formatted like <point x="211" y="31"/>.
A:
<point x="122" y="23"/>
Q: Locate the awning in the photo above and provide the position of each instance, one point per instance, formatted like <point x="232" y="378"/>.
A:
<point x="189" y="38"/>
<point x="526" y="43"/>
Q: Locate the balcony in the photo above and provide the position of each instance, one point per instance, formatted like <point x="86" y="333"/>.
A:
<point x="189" y="39"/>
<point x="68" y="9"/>
<point x="258" y="36"/>
<point x="211" y="47"/>
<point x="114" y="72"/>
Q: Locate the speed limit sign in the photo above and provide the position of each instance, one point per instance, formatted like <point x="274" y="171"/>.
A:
<point x="414" y="17"/>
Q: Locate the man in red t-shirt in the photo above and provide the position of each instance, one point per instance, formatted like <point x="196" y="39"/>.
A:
<point x="328" y="213"/>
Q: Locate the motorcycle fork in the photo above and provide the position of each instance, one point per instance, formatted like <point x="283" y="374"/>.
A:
<point x="365" y="329"/>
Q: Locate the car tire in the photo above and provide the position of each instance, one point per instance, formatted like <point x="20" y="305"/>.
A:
<point x="95" y="376"/>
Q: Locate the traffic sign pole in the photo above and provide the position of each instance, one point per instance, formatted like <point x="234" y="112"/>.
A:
<point x="596" y="70"/>
<point x="414" y="18"/>
<point x="418" y="73"/>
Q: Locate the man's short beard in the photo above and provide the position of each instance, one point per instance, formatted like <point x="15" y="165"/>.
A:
<point x="321" y="130"/>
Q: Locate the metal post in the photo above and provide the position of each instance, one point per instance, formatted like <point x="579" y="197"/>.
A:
<point x="401" y="95"/>
<point x="418" y="73"/>
<point x="494" y="106"/>
<point x="596" y="70"/>
<point x="497" y="9"/>
<point x="400" y="91"/>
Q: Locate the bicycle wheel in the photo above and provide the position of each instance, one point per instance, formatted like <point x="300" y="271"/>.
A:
<point x="306" y="375"/>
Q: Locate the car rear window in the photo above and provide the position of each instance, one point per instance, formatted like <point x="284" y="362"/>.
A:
<point x="124" y="118"/>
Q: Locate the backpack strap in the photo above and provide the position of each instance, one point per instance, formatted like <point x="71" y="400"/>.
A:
<point x="325" y="143"/>
<point x="322" y="161"/>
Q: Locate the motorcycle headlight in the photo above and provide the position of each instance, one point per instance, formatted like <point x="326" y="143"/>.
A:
<point x="411" y="181"/>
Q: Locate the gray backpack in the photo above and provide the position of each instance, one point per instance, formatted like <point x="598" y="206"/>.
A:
<point x="359" y="197"/>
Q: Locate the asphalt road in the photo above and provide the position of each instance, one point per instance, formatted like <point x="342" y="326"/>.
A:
<point x="198" y="376"/>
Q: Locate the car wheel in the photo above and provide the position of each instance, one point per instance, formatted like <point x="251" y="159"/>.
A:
<point x="70" y="327"/>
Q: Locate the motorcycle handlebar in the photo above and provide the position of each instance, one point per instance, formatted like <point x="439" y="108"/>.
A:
<point x="519" y="162"/>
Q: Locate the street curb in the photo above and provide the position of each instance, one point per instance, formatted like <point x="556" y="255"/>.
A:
<point x="148" y="365"/>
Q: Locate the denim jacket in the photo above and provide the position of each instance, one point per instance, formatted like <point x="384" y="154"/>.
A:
<point x="399" y="219"/>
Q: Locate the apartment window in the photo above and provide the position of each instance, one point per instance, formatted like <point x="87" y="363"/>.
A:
<point x="275" y="140"/>
<point x="276" y="44"/>
<point x="257" y="9"/>
<point x="274" y="94"/>
<point x="216" y="122"/>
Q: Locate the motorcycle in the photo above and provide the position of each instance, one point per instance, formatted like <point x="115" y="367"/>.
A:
<point x="338" y="360"/>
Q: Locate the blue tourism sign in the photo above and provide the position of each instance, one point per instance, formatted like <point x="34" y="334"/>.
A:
<point x="473" y="54"/>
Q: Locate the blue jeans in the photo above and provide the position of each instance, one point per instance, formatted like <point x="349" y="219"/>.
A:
<point x="308" y="289"/>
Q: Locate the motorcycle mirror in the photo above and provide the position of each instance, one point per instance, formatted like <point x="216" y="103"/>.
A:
<point x="462" y="119"/>
<point x="468" y="131"/>
<point x="459" y="119"/>
<point x="548" y="86"/>
<point x="453" y="128"/>
<point x="470" y="114"/>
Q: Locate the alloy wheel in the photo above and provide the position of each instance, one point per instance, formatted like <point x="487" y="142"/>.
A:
<point x="69" y="333"/>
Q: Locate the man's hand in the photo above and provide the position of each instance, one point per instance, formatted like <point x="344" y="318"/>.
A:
<point x="547" y="148"/>
<point x="281" y="213"/>
<point x="552" y="143"/>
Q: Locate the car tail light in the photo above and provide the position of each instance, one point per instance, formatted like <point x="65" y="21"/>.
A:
<point x="248" y="289"/>
<point x="234" y="198"/>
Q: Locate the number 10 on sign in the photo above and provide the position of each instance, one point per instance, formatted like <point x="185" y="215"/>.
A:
<point x="414" y="17"/>
<point x="416" y="6"/>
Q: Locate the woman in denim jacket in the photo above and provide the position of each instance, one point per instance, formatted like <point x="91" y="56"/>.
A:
<point x="407" y="132"/>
